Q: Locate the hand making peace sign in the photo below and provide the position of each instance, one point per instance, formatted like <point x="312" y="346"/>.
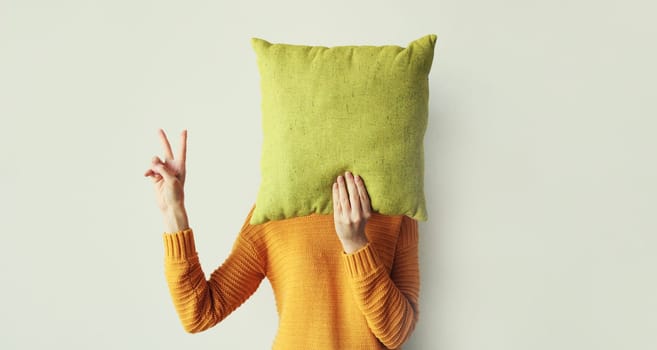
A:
<point x="169" y="175"/>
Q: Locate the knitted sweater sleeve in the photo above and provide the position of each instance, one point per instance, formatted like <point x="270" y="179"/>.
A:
<point x="202" y="303"/>
<point x="389" y="302"/>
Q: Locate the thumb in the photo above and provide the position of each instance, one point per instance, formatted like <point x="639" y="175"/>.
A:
<point x="165" y="172"/>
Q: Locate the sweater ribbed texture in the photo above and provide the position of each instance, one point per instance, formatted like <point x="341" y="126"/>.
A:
<point x="325" y="299"/>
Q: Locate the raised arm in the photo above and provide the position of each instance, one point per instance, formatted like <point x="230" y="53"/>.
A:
<point x="202" y="303"/>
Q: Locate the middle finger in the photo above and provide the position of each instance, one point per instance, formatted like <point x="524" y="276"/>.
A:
<point x="353" y="192"/>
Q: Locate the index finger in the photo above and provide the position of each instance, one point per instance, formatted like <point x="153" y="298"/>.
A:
<point x="168" y="154"/>
<point x="183" y="146"/>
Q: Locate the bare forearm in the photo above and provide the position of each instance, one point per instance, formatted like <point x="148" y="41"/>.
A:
<point x="175" y="219"/>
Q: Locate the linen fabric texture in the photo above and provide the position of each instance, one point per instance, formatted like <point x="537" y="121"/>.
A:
<point x="326" y="110"/>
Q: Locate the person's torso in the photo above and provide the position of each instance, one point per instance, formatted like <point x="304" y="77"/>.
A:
<point x="305" y="266"/>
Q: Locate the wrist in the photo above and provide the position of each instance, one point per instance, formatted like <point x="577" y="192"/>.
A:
<point x="175" y="219"/>
<point x="353" y="244"/>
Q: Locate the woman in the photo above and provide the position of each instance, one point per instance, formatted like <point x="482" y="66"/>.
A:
<point x="344" y="281"/>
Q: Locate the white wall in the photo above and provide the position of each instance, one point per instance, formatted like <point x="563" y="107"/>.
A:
<point x="540" y="165"/>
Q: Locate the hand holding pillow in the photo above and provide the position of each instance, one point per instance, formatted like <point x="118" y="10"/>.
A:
<point x="351" y="210"/>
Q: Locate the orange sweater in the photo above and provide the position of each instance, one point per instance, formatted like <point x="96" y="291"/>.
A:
<point x="325" y="298"/>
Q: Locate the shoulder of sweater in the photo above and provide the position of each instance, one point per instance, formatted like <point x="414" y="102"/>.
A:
<point x="408" y="233"/>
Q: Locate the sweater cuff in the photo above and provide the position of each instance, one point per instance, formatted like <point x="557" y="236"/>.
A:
<point x="179" y="245"/>
<point x="362" y="262"/>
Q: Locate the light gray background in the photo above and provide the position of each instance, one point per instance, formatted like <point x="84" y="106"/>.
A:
<point x="540" y="165"/>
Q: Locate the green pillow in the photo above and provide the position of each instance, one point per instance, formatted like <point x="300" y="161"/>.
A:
<point x="326" y="110"/>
